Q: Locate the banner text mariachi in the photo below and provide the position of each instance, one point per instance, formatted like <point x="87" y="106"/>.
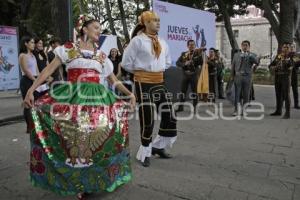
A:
<point x="178" y="33"/>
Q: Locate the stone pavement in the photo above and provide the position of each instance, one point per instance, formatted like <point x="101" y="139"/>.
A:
<point x="213" y="160"/>
<point x="10" y="106"/>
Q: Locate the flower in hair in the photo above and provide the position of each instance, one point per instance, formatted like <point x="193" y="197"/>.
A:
<point x="82" y="19"/>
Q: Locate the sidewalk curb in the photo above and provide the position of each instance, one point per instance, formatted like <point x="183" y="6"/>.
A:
<point x="10" y="120"/>
<point x="10" y="97"/>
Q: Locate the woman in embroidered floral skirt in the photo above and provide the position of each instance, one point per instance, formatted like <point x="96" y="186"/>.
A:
<point x="79" y="144"/>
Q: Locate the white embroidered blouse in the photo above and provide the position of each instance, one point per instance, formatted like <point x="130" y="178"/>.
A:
<point x="71" y="61"/>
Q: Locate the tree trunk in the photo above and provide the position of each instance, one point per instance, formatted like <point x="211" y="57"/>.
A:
<point x="110" y="19"/>
<point x="146" y="4"/>
<point x="228" y="26"/>
<point x="96" y="9"/>
<point x="138" y="10"/>
<point x="81" y="6"/>
<point x="297" y="22"/>
<point x="271" y="16"/>
<point x="59" y="11"/>
<point x="24" y="12"/>
<point x="123" y="20"/>
<point x="286" y="21"/>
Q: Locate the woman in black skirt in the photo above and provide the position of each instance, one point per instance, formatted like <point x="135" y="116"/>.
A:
<point x="30" y="71"/>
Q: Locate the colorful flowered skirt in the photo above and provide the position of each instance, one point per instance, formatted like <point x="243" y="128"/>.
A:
<point x="80" y="140"/>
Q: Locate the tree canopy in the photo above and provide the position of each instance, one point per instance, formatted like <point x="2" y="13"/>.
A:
<point x="44" y="17"/>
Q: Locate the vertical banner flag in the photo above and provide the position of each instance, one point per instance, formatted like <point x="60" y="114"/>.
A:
<point x="178" y="24"/>
<point x="9" y="65"/>
<point x="107" y="42"/>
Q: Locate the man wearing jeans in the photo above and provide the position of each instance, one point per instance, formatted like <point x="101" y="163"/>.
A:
<point x="241" y="73"/>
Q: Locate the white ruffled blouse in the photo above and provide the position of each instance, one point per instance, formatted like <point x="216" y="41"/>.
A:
<point x="105" y="69"/>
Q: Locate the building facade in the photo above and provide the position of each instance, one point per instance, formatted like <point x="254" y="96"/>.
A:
<point x="252" y="27"/>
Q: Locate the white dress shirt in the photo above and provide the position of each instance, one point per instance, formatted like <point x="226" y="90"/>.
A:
<point x="139" y="55"/>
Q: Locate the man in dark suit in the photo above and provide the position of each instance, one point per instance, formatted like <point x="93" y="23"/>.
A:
<point x="294" y="78"/>
<point x="190" y="62"/>
<point x="54" y="42"/>
<point x="212" y="63"/>
<point x="220" y="74"/>
<point x="60" y="73"/>
<point x="282" y="67"/>
<point x="241" y="72"/>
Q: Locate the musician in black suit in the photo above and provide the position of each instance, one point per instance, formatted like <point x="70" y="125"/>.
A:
<point x="212" y="71"/>
<point x="220" y="74"/>
<point x="294" y="78"/>
<point x="190" y="62"/>
<point x="282" y="67"/>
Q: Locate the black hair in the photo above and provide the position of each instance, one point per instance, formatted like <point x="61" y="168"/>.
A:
<point x="287" y="43"/>
<point x="37" y="51"/>
<point x="25" y="39"/>
<point x="125" y="43"/>
<point x="109" y="56"/>
<point x="118" y="56"/>
<point x="37" y="39"/>
<point x="189" y="41"/>
<point x="212" y="49"/>
<point x="85" y="24"/>
<point x="137" y="29"/>
<point x="246" y="41"/>
<point x="55" y="40"/>
<point x="105" y="32"/>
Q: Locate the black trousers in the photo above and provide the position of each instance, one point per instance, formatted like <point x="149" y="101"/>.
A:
<point x="212" y="86"/>
<point x="252" y="93"/>
<point x="282" y="90"/>
<point x="189" y="80"/>
<point x="220" y="81"/>
<point x="25" y="84"/>
<point x="152" y="99"/>
<point x="294" y="83"/>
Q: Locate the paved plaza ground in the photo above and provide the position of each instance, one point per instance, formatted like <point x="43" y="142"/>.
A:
<point x="213" y="160"/>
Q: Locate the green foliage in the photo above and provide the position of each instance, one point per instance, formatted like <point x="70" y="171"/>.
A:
<point x="8" y="9"/>
<point x="39" y="21"/>
<point x="234" y="7"/>
<point x="76" y="10"/>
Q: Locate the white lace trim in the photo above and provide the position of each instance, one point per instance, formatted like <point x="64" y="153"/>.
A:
<point x="161" y="142"/>
<point x="144" y="152"/>
<point x="79" y="163"/>
<point x="104" y="70"/>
